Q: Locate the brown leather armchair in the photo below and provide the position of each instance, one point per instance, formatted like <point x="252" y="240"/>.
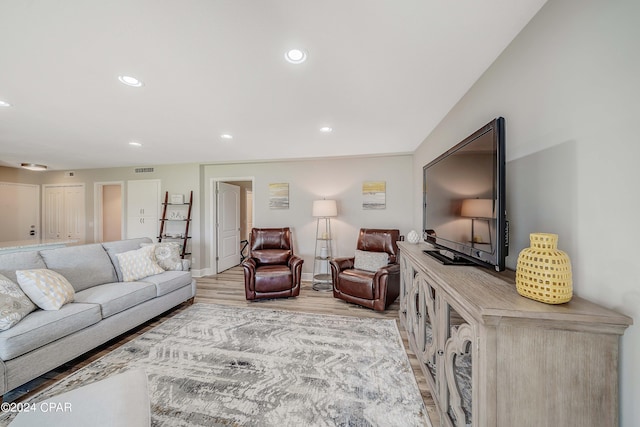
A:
<point x="271" y="270"/>
<point x="374" y="289"/>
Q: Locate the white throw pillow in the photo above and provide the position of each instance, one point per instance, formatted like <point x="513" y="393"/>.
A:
<point x="370" y="261"/>
<point x="46" y="288"/>
<point x="138" y="264"/>
<point x="167" y="254"/>
<point x="14" y="304"/>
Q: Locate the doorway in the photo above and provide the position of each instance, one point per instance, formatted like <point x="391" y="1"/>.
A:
<point x="108" y="211"/>
<point x="231" y="225"/>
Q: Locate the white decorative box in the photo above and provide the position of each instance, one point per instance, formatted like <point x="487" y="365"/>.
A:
<point x="177" y="199"/>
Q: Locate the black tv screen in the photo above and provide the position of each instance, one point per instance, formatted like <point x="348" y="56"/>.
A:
<point x="464" y="200"/>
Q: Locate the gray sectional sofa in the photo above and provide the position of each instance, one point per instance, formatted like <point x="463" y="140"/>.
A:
<point x="104" y="307"/>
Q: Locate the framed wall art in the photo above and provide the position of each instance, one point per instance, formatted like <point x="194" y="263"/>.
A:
<point x="374" y="195"/>
<point x="279" y="195"/>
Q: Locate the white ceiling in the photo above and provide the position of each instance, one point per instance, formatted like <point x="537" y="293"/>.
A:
<point x="381" y="73"/>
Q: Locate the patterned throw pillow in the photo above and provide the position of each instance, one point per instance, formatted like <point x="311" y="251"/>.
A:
<point x="370" y="261"/>
<point x="46" y="288"/>
<point x="167" y="254"/>
<point x="138" y="264"/>
<point x="14" y="304"/>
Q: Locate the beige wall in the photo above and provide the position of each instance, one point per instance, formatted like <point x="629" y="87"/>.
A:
<point x="22" y="176"/>
<point x="309" y="180"/>
<point x="176" y="179"/>
<point x="568" y="88"/>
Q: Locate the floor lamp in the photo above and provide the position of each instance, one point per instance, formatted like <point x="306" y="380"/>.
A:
<point x="323" y="211"/>
<point x="478" y="209"/>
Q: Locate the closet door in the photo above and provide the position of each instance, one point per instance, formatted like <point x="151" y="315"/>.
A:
<point x="53" y="212"/>
<point x="143" y="208"/>
<point x="64" y="212"/>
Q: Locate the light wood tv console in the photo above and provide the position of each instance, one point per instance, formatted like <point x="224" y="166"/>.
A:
<point x="528" y="363"/>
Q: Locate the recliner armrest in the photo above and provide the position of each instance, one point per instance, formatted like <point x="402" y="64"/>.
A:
<point x="294" y="261"/>
<point x="249" y="265"/>
<point x="341" y="264"/>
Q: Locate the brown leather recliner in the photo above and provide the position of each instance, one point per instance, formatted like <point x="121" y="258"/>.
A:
<point x="373" y="289"/>
<point x="271" y="270"/>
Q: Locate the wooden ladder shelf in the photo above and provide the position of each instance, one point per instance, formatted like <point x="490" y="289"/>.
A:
<point x="167" y="208"/>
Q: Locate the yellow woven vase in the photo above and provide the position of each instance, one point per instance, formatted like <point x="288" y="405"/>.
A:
<point x="543" y="272"/>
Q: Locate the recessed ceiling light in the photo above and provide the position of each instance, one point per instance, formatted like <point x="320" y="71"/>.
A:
<point x="130" y="81"/>
<point x="4" y="104"/>
<point x="326" y="129"/>
<point x="226" y="136"/>
<point x="33" y="167"/>
<point x="296" y="56"/>
<point x="135" y="144"/>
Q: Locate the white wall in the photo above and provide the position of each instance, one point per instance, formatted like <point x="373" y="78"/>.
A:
<point x="310" y="180"/>
<point x="569" y="89"/>
<point x="176" y="179"/>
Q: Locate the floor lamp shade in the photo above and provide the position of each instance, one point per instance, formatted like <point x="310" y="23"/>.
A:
<point x="324" y="208"/>
<point x="477" y="208"/>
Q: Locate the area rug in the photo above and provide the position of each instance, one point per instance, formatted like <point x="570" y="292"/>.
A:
<point x="214" y="365"/>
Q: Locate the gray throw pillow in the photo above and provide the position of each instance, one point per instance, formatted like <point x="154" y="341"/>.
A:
<point x="14" y="304"/>
<point x="167" y="255"/>
<point x="370" y="261"/>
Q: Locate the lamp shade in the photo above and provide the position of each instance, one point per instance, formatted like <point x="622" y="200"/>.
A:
<point x="324" y="208"/>
<point x="477" y="208"/>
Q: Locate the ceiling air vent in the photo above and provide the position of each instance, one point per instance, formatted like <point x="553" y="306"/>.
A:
<point x="143" y="170"/>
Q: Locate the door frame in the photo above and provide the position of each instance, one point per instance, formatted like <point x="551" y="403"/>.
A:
<point x="97" y="208"/>
<point x="213" y="213"/>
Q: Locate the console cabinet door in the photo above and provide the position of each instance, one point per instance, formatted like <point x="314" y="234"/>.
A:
<point x="457" y="382"/>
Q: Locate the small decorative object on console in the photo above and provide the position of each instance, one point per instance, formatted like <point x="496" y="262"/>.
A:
<point x="413" y="237"/>
<point x="543" y="272"/>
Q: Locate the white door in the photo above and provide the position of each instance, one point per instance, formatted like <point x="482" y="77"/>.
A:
<point x="74" y="213"/>
<point x="143" y="208"/>
<point x="20" y="212"/>
<point x="64" y="212"/>
<point x="228" y="226"/>
<point x="53" y="212"/>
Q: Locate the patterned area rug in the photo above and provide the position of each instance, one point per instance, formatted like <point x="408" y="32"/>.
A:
<point x="213" y="365"/>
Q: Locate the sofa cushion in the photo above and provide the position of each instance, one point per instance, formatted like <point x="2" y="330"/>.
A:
<point x="169" y="281"/>
<point x="48" y="289"/>
<point x="42" y="327"/>
<point x="83" y="266"/>
<point x="138" y="264"/>
<point x="118" y="296"/>
<point x="13" y="261"/>
<point x="14" y="304"/>
<point x="114" y="248"/>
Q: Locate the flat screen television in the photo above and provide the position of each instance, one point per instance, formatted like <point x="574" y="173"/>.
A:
<point x="464" y="213"/>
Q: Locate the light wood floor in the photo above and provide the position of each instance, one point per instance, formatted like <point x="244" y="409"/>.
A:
<point x="227" y="288"/>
